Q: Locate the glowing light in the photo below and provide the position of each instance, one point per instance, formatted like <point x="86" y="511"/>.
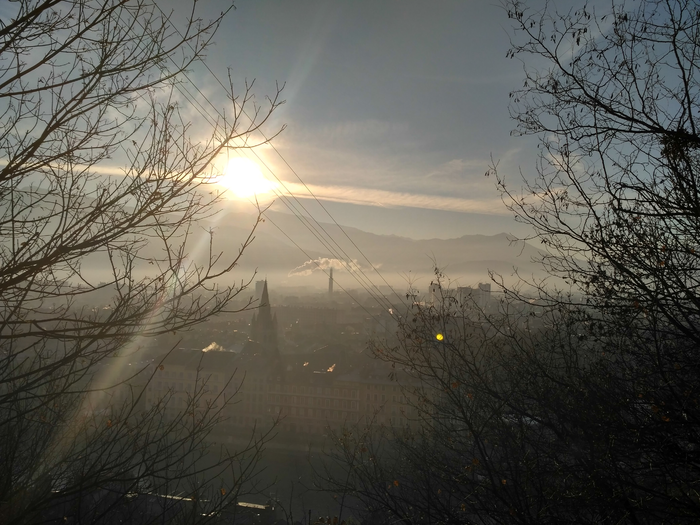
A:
<point x="439" y="337"/>
<point x="243" y="178"/>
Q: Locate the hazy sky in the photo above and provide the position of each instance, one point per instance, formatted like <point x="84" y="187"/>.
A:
<point x="393" y="108"/>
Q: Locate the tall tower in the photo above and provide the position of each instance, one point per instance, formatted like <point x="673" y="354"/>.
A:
<point x="264" y="325"/>
<point x="330" y="285"/>
<point x="259" y="285"/>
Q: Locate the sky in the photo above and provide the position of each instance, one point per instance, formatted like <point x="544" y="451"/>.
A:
<point x="394" y="109"/>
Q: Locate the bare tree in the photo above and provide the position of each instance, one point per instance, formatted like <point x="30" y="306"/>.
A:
<point x="615" y="106"/>
<point x="579" y="406"/>
<point x="102" y="183"/>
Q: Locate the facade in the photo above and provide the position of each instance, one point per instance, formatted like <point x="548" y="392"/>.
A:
<point x="479" y="296"/>
<point x="303" y="394"/>
<point x="462" y="296"/>
<point x="251" y="391"/>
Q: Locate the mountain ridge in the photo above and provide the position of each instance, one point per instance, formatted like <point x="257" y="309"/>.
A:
<point x="468" y="256"/>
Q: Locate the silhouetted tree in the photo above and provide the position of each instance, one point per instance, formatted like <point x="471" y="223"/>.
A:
<point x="102" y="182"/>
<point x="578" y="406"/>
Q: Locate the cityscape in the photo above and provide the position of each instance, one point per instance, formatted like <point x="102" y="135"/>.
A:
<point x="302" y="262"/>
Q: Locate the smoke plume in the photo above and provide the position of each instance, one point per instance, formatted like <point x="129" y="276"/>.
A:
<point x="324" y="263"/>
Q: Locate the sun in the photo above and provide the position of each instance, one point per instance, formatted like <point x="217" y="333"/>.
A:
<point x="243" y="178"/>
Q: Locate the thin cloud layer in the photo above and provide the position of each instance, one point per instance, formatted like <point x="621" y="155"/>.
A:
<point x="386" y="199"/>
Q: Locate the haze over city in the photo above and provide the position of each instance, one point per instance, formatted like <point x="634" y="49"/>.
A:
<point x="349" y="262"/>
<point x="393" y="116"/>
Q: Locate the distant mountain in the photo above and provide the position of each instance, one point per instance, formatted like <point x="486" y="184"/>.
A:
<point x="284" y="243"/>
<point x="468" y="257"/>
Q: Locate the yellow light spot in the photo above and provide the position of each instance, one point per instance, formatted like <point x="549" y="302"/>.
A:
<point x="439" y="337"/>
<point x="243" y="178"/>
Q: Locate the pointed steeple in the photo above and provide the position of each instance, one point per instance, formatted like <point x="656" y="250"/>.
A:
<point x="264" y="330"/>
<point x="264" y="299"/>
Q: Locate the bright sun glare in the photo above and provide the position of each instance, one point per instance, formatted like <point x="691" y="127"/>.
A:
<point x="243" y="178"/>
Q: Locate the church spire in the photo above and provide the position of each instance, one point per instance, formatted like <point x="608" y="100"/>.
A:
<point x="264" y="299"/>
<point x="264" y="330"/>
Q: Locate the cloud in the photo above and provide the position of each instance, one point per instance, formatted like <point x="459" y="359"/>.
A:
<point x="322" y="264"/>
<point x="389" y="199"/>
<point x="458" y="170"/>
